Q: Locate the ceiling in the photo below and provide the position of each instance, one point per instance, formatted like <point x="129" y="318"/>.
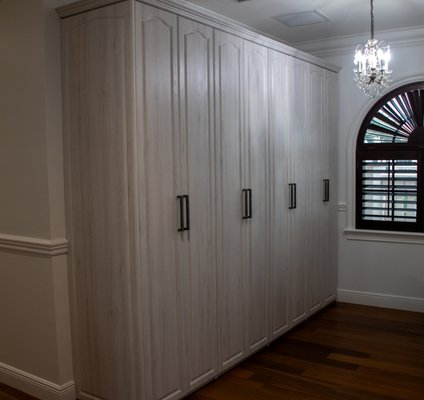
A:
<point x="346" y="17"/>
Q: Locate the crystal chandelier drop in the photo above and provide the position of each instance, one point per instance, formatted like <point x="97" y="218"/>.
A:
<point x="372" y="73"/>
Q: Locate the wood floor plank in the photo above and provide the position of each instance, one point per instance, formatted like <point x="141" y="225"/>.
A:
<point x="346" y="352"/>
<point x="381" y="365"/>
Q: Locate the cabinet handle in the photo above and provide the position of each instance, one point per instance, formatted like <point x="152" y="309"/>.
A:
<point x="181" y="201"/>
<point x="245" y="204"/>
<point x="293" y="196"/>
<point x="187" y="204"/>
<point x="290" y="196"/>
<point x="326" y="190"/>
<point x="249" y="191"/>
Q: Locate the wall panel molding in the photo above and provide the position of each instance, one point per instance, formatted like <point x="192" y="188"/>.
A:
<point x="36" y="386"/>
<point x="381" y="300"/>
<point x="31" y="245"/>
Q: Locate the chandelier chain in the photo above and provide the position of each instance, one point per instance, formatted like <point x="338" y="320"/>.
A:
<point x="372" y="19"/>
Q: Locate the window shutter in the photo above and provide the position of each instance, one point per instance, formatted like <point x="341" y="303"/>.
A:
<point x="389" y="190"/>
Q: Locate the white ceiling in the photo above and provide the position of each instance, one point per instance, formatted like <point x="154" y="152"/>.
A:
<point x="347" y="17"/>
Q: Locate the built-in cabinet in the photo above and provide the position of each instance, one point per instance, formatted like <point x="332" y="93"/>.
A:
<point x="200" y="194"/>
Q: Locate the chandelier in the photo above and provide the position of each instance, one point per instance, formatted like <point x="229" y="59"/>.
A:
<point x="371" y="72"/>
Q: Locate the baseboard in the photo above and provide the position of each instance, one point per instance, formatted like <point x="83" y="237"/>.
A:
<point x="381" y="300"/>
<point x="36" y="386"/>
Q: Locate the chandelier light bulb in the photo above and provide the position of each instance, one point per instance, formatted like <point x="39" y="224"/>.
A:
<point x="371" y="72"/>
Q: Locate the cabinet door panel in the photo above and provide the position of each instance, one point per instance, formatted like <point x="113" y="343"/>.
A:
<point x="299" y="172"/>
<point x="330" y="208"/>
<point x="256" y="106"/>
<point x="316" y="188"/>
<point x="229" y="128"/>
<point x="196" y="88"/>
<point x="280" y="117"/>
<point x="159" y="145"/>
<point x="97" y="133"/>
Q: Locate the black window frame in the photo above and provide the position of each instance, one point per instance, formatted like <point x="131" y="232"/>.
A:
<point x="390" y="151"/>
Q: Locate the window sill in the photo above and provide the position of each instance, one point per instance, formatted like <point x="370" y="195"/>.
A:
<point x="384" y="236"/>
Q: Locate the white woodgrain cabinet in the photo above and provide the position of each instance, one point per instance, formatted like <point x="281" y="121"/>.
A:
<point x="177" y="201"/>
<point x="303" y="129"/>
<point x="280" y="119"/>
<point x="257" y="184"/>
<point x="231" y="255"/>
<point x="196" y="154"/>
<point x="298" y="191"/>
<point x="100" y="199"/>
<point x="243" y="259"/>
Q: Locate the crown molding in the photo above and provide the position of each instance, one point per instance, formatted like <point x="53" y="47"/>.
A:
<point x="214" y="20"/>
<point x="30" y="245"/>
<point x="412" y="36"/>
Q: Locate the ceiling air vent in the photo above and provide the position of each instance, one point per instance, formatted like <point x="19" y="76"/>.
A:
<point x="302" y="18"/>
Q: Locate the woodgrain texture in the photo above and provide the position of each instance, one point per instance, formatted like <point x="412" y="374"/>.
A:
<point x="159" y="184"/>
<point x="198" y="155"/>
<point x="231" y="250"/>
<point x="315" y="145"/>
<point x="298" y="175"/>
<point x="98" y="130"/>
<point x="168" y="107"/>
<point x="329" y="216"/>
<point x="256" y="130"/>
<point x="280" y="70"/>
<point x="346" y="351"/>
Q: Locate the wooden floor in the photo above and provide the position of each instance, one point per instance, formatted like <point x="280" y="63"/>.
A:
<point x="346" y="352"/>
<point x="7" y="393"/>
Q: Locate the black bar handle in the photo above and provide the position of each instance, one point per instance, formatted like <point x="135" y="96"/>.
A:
<point x="249" y="191"/>
<point x="181" y="200"/>
<point x="290" y="196"/>
<point x="245" y="204"/>
<point x="187" y="204"/>
<point x="294" y="195"/>
<point x="326" y="190"/>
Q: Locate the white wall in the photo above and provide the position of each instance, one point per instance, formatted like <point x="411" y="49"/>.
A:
<point x="35" y="344"/>
<point x="375" y="269"/>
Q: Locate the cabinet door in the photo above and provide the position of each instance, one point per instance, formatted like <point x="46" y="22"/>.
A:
<point x="98" y="139"/>
<point x="199" y="273"/>
<point x="231" y="252"/>
<point x="315" y="155"/>
<point x="329" y="217"/>
<point x="280" y="76"/>
<point x="256" y="112"/>
<point x="299" y="172"/>
<point x="159" y="185"/>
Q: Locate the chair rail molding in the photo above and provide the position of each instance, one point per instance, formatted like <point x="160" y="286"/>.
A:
<point x="31" y="245"/>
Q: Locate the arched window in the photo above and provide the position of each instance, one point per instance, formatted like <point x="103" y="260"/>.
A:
<point x="390" y="163"/>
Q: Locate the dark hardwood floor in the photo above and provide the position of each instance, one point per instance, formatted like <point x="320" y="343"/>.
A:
<point x="346" y="352"/>
<point x="8" y="393"/>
